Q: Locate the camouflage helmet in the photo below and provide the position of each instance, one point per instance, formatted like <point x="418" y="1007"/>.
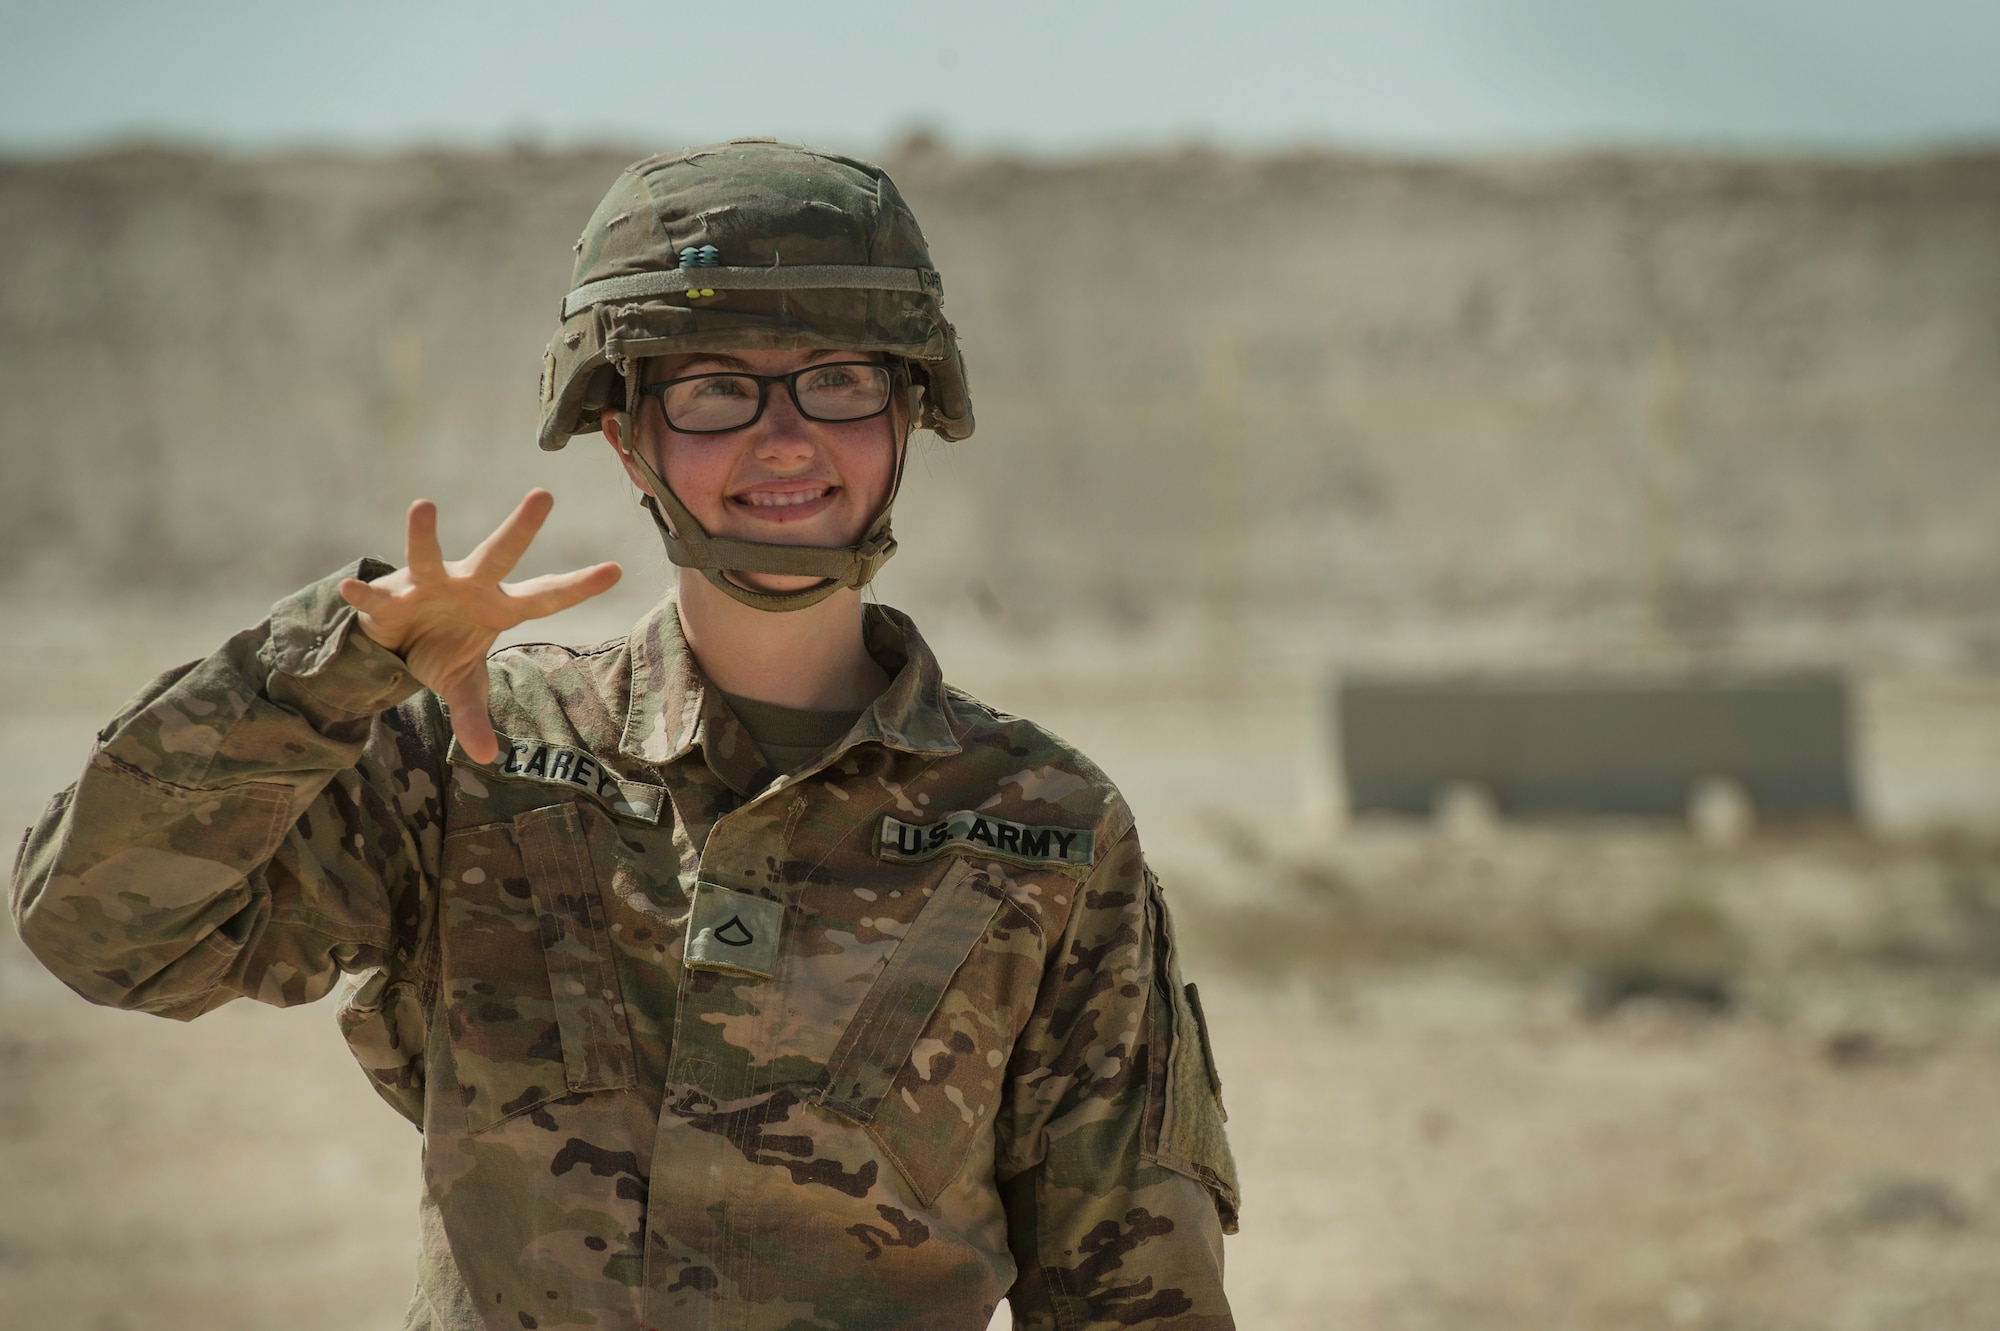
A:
<point x="759" y="245"/>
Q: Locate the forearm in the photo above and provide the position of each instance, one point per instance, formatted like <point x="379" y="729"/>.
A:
<point x="153" y="882"/>
<point x="1096" y="1252"/>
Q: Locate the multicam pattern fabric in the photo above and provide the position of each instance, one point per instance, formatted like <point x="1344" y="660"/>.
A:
<point x="687" y="1050"/>
<point x="755" y="204"/>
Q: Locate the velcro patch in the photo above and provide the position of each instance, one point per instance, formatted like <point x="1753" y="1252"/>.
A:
<point x="976" y="833"/>
<point x="573" y="769"/>
<point x="733" y="931"/>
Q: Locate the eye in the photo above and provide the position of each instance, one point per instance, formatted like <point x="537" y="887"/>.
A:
<point x="719" y="386"/>
<point x="833" y="376"/>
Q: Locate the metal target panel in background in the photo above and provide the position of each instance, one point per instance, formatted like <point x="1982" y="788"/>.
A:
<point x="1568" y="746"/>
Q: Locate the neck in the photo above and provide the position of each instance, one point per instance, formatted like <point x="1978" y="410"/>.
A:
<point x="812" y="659"/>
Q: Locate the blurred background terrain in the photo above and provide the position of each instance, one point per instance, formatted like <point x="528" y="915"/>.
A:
<point x="1585" y="404"/>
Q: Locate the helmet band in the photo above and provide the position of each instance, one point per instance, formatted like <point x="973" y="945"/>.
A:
<point x="797" y="277"/>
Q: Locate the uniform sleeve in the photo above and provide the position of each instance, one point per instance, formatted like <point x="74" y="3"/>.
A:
<point x="1117" y="1177"/>
<point x="252" y="824"/>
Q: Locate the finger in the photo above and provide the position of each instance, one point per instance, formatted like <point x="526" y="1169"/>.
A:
<point x="559" y="591"/>
<point x="420" y="541"/>
<point x="375" y="611"/>
<point x="465" y="695"/>
<point x="366" y="596"/>
<point x="497" y="554"/>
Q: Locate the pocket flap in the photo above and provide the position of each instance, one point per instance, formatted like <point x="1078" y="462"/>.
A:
<point x="898" y="1005"/>
<point x="576" y="939"/>
<point x="1185" y="1115"/>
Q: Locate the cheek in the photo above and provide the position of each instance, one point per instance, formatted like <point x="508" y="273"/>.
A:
<point x="696" y="471"/>
<point x="868" y="464"/>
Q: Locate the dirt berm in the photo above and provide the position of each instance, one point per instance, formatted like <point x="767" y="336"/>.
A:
<point x="1663" y="409"/>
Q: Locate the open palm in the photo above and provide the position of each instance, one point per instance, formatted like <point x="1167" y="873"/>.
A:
<point x="443" y="616"/>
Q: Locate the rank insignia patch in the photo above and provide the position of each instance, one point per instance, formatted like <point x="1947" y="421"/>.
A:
<point x="972" y="833"/>
<point x="733" y="931"/>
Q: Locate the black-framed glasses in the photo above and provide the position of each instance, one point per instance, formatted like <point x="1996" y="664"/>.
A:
<point x="833" y="392"/>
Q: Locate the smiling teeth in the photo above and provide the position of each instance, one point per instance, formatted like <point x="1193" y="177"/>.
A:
<point x="767" y="500"/>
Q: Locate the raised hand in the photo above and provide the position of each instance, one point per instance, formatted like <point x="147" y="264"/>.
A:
<point x="442" y="617"/>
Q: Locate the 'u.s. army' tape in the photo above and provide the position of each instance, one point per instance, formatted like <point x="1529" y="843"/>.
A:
<point x="970" y="832"/>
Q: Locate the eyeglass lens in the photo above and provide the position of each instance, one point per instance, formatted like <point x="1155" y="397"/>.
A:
<point x="713" y="402"/>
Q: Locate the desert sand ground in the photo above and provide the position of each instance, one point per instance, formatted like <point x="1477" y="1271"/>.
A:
<point x="1586" y="1077"/>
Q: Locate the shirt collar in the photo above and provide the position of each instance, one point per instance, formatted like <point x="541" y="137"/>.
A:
<point x="672" y="708"/>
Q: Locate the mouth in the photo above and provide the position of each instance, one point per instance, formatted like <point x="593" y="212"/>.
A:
<point x="791" y="503"/>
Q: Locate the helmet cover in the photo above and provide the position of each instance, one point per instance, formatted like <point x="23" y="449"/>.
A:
<point x="751" y="245"/>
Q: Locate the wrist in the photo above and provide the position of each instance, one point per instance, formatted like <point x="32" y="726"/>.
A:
<point x="313" y="650"/>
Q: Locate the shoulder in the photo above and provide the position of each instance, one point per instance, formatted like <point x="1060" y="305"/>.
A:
<point x="1007" y="740"/>
<point x="1036" y="776"/>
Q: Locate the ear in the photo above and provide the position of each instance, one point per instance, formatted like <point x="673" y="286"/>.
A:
<point x="616" y="428"/>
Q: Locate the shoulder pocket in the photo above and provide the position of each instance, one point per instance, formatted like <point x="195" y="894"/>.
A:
<point x="1184" y="1114"/>
<point x="920" y="1063"/>
<point x="530" y="981"/>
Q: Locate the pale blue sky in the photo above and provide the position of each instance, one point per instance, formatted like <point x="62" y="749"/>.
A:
<point x="1041" y="76"/>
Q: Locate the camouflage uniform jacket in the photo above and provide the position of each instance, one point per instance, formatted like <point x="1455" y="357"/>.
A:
<point x="691" y="1045"/>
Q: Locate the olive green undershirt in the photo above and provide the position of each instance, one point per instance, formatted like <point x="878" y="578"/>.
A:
<point x="789" y="737"/>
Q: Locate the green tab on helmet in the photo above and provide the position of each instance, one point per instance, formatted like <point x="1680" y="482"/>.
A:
<point x="794" y="249"/>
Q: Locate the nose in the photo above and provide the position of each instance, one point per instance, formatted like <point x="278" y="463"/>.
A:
<point x="782" y="435"/>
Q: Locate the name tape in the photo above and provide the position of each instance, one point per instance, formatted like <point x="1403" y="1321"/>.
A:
<point x="559" y="765"/>
<point x="978" y="833"/>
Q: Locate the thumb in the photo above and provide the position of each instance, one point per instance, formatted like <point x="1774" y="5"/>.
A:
<point x="465" y="694"/>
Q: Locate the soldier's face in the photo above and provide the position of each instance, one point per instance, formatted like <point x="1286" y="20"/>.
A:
<point x="782" y="478"/>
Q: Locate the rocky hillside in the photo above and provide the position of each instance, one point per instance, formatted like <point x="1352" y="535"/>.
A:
<point x="1656" y="410"/>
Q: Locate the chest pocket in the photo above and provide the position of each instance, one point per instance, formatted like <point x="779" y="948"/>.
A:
<point x="532" y="1000"/>
<point x="920" y="1065"/>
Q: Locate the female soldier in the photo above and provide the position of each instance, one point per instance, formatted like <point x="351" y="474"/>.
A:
<point x="739" y="973"/>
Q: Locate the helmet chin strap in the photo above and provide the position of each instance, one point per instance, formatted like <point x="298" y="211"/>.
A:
<point x="690" y="546"/>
